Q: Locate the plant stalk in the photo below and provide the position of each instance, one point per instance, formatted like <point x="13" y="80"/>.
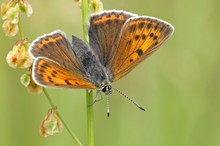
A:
<point x="89" y="94"/>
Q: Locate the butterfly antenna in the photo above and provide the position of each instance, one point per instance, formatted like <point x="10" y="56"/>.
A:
<point x="108" y="107"/>
<point x="137" y="105"/>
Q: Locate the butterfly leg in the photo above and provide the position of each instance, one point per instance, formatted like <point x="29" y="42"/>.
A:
<point x="98" y="96"/>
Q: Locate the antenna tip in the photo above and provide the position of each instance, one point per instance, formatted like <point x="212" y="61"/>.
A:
<point x="142" y="108"/>
<point x="108" y="114"/>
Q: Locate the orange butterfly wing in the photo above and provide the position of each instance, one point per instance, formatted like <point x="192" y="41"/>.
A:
<point x="104" y="31"/>
<point x="56" y="64"/>
<point x="139" y="38"/>
<point x="51" y="74"/>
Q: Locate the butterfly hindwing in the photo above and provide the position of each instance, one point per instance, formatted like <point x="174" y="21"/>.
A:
<point x="139" y="38"/>
<point x="51" y="74"/>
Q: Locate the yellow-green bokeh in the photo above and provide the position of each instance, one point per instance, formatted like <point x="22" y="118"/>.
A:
<point x="179" y="85"/>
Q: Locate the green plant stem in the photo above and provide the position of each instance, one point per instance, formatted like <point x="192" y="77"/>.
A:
<point x="90" y="120"/>
<point x="20" y="29"/>
<point x="89" y="94"/>
<point x="85" y="13"/>
<point x="49" y="99"/>
<point x="21" y="33"/>
<point x="64" y="123"/>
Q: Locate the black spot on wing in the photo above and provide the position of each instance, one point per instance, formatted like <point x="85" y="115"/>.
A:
<point x="54" y="73"/>
<point x="141" y="25"/>
<point x="67" y="82"/>
<point x="143" y="37"/>
<point x="50" y="79"/>
<point x="155" y="37"/>
<point x="42" y="70"/>
<point x="136" y="37"/>
<point x="139" y="52"/>
<point x="149" y="25"/>
<point x="132" y="28"/>
<point x="151" y="34"/>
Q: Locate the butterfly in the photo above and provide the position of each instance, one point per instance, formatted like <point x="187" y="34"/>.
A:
<point x="118" y="42"/>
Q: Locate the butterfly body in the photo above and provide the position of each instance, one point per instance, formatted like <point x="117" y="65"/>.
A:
<point x="94" y="70"/>
<point x="118" y="42"/>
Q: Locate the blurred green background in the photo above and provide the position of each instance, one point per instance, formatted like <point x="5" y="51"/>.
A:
<point x="179" y="85"/>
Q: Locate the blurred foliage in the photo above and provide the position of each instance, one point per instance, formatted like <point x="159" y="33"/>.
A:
<point x="179" y="85"/>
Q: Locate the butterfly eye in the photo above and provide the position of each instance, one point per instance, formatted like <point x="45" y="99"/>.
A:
<point x="107" y="89"/>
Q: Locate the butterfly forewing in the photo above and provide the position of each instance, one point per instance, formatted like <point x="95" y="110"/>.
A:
<point x="139" y="38"/>
<point x="51" y="74"/>
<point x="55" y="46"/>
<point x="103" y="32"/>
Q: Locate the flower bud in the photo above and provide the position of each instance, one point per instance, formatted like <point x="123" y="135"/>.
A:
<point x="34" y="88"/>
<point x="25" y="79"/>
<point x="25" y="7"/>
<point x="13" y="14"/>
<point x="96" y="5"/>
<point x="19" y="56"/>
<point x="51" y="124"/>
<point x="10" y="29"/>
<point x="4" y="9"/>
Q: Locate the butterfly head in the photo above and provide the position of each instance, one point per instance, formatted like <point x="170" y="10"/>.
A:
<point x="106" y="88"/>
